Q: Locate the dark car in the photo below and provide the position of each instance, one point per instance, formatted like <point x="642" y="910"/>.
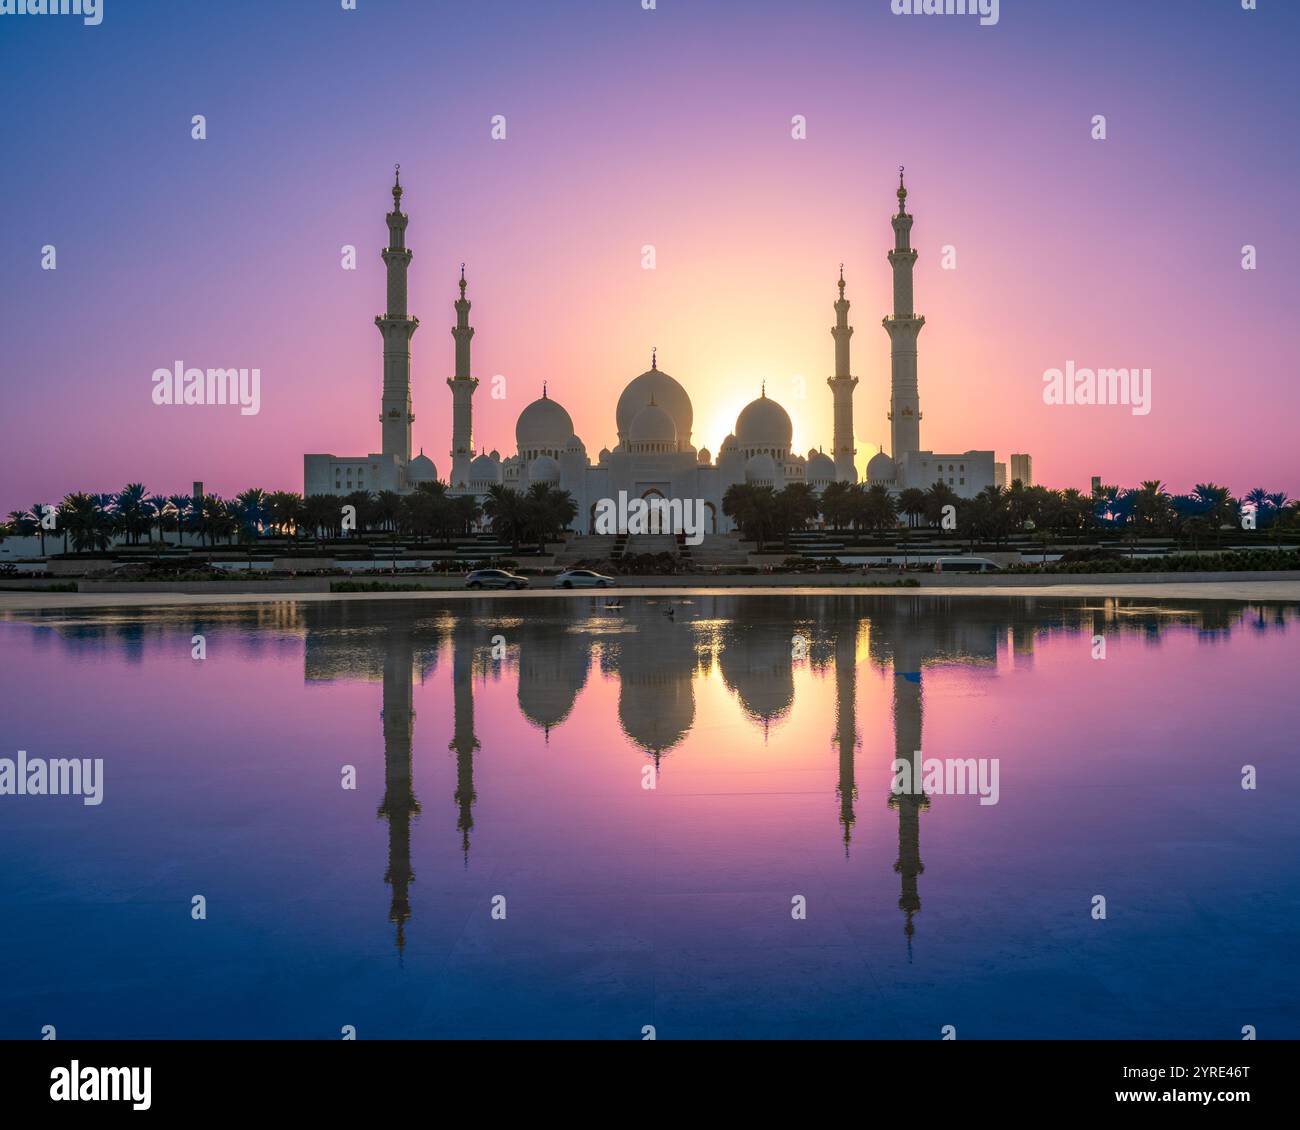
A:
<point x="494" y="579"/>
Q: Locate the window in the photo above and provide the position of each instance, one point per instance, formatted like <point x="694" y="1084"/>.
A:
<point x="962" y="481"/>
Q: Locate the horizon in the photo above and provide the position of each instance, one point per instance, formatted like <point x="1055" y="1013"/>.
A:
<point x="231" y="257"/>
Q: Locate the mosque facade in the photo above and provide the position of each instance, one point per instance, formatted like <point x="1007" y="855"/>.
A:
<point x="655" y="456"/>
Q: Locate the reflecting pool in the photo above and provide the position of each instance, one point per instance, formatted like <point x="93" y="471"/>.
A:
<point x="585" y="818"/>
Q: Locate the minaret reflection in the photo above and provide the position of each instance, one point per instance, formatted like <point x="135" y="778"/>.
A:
<point x="463" y="743"/>
<point x="909" y="803"/>
<point x="846" y="723"/>
<point x="399" y="805"/>
<point x="905" y="636"/>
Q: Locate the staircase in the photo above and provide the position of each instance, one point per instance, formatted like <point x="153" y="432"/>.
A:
<point x="588" y="547"/>
<point x="721" y="550"/>
<point x="650" y="543"/>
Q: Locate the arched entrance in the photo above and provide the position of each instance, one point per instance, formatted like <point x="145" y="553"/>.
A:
<point x="658" y="519"/>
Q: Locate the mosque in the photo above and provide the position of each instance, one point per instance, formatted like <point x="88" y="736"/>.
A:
<point x="655" y="456"/>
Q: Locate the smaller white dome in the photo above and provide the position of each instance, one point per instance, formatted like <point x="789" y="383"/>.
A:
<point x="421" y="469"/>
<point x="604" y="454"/>
<point x="543" y="469"/>
<point x="761" y="470"/>
<point x="704" y="456"/>
<point x="575" y="444"/>
<point x="821" y="467"/>
<point x="880" y="469"/>
<point x="483" y="469"/>
<point x="729" y="444"/>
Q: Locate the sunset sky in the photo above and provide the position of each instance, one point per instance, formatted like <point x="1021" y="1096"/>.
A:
<point x="625" y="128"/>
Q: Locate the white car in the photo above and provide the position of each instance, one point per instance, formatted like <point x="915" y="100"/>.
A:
<point x="966" y="565"/>
<point x="583" y="578"/>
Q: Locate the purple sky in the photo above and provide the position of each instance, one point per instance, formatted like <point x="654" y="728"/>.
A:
<point x="625" y="128"/>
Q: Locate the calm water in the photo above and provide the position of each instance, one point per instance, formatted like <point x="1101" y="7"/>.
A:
<point x="504" y="748"/>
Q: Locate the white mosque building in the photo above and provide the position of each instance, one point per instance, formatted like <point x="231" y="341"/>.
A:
<point x="655" y="456"/>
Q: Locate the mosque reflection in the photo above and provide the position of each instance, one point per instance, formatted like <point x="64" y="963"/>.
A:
<point x="658" y="651"/>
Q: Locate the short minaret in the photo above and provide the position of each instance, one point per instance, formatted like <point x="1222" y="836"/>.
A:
<point x="842" y="386"/>
<point x="903" y="327"/>
<point x="462" y="387"/>
<point x="397" y="328"/>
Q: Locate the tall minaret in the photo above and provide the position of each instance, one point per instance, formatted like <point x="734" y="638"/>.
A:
<point x="397" y="327"/>
<point x="903" y="327"/>
<point x="462" y="387"/>
<point x="842" y="386"/>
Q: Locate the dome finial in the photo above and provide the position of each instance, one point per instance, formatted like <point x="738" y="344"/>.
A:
<point x="841" y="280"/>
<point x="654" y="358"/>
<point x="763" y="391"/>
<point x="543" y="390"/>
<point x="462" y="280"/>
<point x="902" y="192"/>
<point x="397" y="183"/>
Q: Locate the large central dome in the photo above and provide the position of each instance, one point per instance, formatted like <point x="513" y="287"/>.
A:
<point x="666" y="393"/>
<point x="763" y="425"/>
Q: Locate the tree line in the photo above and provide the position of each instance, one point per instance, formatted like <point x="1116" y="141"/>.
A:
<point x="93" y="523"/>
<point x="764" y="514"/>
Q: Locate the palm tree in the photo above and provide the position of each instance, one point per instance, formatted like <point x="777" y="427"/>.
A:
<point x="911" y="502"/>
<point x="505" y="511"/>
<point x="548" y="511"/>
<point x="1151" y="506"/>
<point x="164" y="516"/>
<point x="284" y="510"/>
<point x="387" y="509"/>
<point x="797" y="505"/>
<point x="879" y="509"/>
<point x="321" y="514"/>
<point x="753" y="509"/>
<point x="361" y="501"/>
<point x="937" y="497"/>
<point x="88" y="524"/>
<point x="37" y="513"/>
<point x="182" y="505"/>
<point x="133" y="511"/>
<point x="1219" y="507"/>
<point x="250" y="509"/>
<point x="465" y="511"/>
<point x="836" y="504"/>
<point x="22" y="525"/>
